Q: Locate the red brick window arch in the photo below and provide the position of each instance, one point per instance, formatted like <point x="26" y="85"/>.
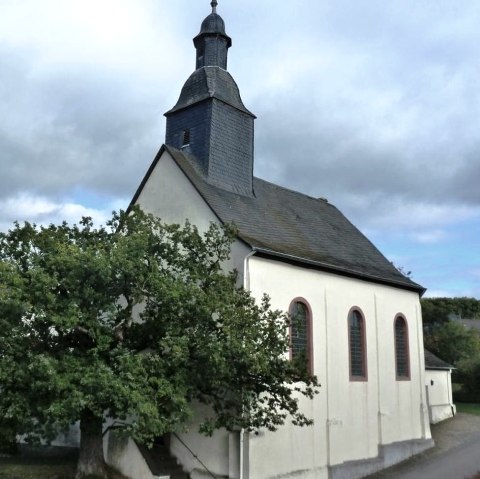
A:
<point x="402" y="350"/>
<point x="301" y="347"/>
<point x="357" y="345"/>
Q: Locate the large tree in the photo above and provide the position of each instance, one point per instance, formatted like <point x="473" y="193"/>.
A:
<point x="135" y="321"/>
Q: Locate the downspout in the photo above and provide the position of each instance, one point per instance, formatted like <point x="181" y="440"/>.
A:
<point x="246" y="285"/>
<point x="426" y="434"/>
<point x="246" y="270"/>
<point x="450" y="393"/>
<point x="242" y="452"/>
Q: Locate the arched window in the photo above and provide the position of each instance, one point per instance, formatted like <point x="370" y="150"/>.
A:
<point x="301" y="335"/>
<point x="357" y="346"/>
<point x="402" y="353"/>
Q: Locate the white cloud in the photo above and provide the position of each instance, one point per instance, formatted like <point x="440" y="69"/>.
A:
<point x="430" y="237"/>
<point x="43" y="211"/>
<point x="438" y="293"/>
<point x="426" y="220"/>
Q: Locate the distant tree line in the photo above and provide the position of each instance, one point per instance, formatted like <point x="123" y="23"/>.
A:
<point x="453" y="342"/>
<point x="440" y="309"/>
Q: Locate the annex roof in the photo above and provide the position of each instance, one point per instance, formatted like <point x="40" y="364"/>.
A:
<point x="278" y="222"/>
<point x="434" y="362"/>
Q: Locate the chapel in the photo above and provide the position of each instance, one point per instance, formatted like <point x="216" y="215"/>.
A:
<point x="361" y="324"/>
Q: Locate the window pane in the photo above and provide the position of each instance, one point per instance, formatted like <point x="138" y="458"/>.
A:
<point x="299" y="332"/>
<point x="401" y="348"/>
<point x="357" y="353"/>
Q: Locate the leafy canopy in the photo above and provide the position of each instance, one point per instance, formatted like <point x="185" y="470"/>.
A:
<point x="134" y="321"/>
<point x="440" y="310"/>
<point x="453" y="342"/>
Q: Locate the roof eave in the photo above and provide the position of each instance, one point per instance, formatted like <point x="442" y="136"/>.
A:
<point x="149" y="172"/>
<point x="338" y="270"/>
<point x="206" y="97"/>
<point x="165" y="148"/>
<point x="439" y="368"/>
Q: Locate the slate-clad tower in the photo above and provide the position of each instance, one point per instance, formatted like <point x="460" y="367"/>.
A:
<point x="210" y="120"/>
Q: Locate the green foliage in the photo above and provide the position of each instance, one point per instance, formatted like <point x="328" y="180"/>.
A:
<point x="8" y="433"/>
<point x="135" y="321"/>
<point x="459" y="346"/>
<point x="434" y="313"/>
<point x="452" y="342"/>
<point x="437" y="310"/>
<point x="468" y="374"/>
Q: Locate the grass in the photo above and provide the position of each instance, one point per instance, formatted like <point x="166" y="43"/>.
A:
<point x="42" y="467"/>
<point x="38" y="468"/>
<point x="469" y="408"/>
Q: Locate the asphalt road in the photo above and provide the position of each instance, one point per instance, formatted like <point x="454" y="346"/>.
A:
<point x="456" y="454"/>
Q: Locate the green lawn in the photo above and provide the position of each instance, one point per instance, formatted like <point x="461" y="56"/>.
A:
<point x="469" y="408"/>
<point x="38" y="469"/>
<point x="47" y="467"/>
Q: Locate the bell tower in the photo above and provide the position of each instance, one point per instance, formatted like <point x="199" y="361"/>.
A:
<point x="210" y="120"/>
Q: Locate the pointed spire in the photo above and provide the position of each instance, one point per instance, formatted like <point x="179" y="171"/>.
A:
<point x="214" y="6"/>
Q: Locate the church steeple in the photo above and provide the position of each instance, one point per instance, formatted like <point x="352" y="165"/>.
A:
<point x="212" y="43"/>
<point x="210" y="121"/>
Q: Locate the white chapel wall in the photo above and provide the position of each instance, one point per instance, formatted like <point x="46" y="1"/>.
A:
<point x="352" y="419"/>
<point x="212" y="452"/>
<point x="170" y="196"/>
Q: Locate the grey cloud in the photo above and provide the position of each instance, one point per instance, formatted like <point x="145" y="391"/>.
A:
<point x="391" y="115"/>
<point x="74" y="129"/>
<point x="325" y="159"/>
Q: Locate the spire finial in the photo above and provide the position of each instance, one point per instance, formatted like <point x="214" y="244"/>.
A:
<point x="214" y="6"/>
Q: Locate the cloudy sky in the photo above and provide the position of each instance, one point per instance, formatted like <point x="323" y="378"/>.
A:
<point x="374" y="105"/>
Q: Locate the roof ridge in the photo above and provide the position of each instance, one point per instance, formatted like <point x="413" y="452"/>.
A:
<point x="322" y="200"/>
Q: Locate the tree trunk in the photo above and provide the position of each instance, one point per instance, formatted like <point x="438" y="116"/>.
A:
<point x="90" y="460"/>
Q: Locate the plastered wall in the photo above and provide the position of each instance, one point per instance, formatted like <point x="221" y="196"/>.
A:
<point x="352" y="419"/>
<point x="439" y="392"/>
<point x="169" y="195"/>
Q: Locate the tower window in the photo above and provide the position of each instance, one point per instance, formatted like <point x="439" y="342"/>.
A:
<point x="186" y="138"/>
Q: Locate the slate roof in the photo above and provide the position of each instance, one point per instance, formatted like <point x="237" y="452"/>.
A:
<point x="210" y="82"/>
<point x="293" y="227"/>
<point x="434" y="362"/>
<point x="213" y="25"/>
